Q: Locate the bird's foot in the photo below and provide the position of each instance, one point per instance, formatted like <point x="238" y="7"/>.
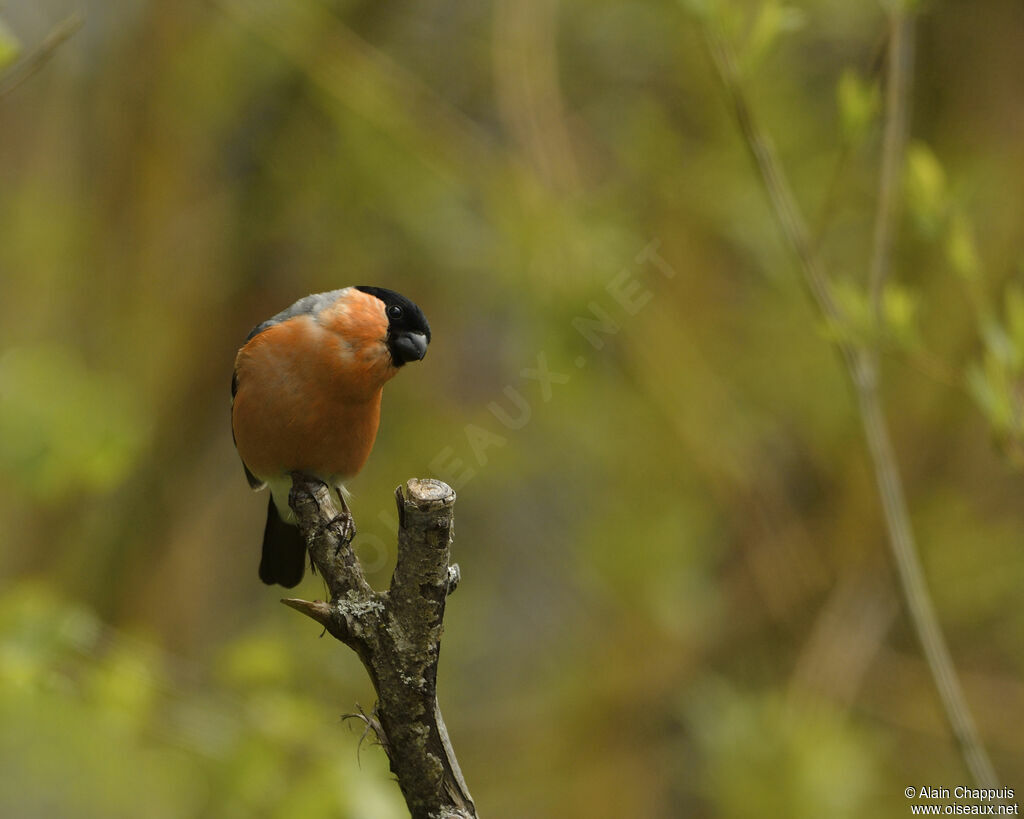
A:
<point x="346" y="528"/>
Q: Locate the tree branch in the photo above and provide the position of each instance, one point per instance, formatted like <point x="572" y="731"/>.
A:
<point x="397" y="633"/>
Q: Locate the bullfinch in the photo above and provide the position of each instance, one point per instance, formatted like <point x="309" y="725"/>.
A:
<point x="305" y="396"/>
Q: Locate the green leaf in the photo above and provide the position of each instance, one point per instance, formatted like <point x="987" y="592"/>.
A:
<point x="926" y="190"/>
<point x="773" y="20"/>
<point x="859" y="102"/>
<point x="900" y="310"/>
<point x="10" y="48"/>
<point x="961" y="251"/>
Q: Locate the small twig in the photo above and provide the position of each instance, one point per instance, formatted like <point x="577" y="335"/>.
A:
<point x="317" y="609"/>
<point x="862" y="367"/>
<point x="829" y="201"/>
<point x="894" y="145"/>
<point x="23" y="70"/>
<point x="784" y="206"/>
<point x="370" y="725"/>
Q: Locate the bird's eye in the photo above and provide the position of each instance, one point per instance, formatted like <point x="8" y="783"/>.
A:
<point x="394" y="311"/>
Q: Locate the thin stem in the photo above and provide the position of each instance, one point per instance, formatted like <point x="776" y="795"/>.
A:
<point x="42" y="54"/>
<point x="887" y="476"/>
<point x="912" y="581"/>
<point x="787" y="212"/>
<point x="861" y="364"/>
<point x="894" y="145"/>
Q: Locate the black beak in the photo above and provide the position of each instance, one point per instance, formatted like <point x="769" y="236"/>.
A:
<point x="408" y="347"/>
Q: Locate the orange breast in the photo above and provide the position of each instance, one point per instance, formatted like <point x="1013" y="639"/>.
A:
<point x="308" y="399"/>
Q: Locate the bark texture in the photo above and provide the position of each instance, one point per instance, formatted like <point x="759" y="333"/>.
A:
<point x="396" y="633"/>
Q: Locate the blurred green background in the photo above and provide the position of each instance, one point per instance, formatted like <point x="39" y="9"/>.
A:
<point x="677" y="597"/>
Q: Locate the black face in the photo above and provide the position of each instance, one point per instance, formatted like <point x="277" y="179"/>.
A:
<point x="408" y="331"/>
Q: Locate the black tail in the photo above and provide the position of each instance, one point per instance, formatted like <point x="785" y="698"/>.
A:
<point x="284" y="551"/>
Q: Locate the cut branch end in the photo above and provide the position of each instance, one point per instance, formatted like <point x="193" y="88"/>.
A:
<point x="316" y="609"/>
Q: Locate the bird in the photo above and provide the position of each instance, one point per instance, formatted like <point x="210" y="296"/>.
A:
<point x="306" y="397"/>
